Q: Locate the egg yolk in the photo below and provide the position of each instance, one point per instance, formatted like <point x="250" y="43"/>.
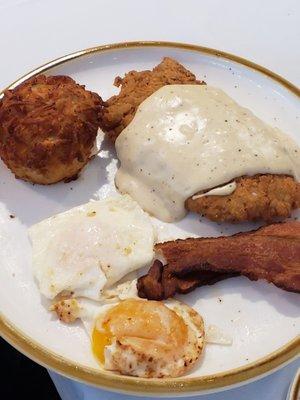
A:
<point x="147" y="326"/>
<point x="101" y="339"/>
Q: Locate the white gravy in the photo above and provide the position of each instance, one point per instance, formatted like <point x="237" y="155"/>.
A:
<point x="190" y="138"/>
<point x="219" y="191"/>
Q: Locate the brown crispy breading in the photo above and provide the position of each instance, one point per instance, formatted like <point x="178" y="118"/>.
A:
<point x="48" y="126"/>
<point x="135" y="88"/>
<point x="271" y="253"/>
<point x="260" y="197"/>
<point x="67" y="310"/>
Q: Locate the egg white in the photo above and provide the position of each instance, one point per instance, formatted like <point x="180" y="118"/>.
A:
<point x="129" y="361"/>
<point x="90" y="247"/>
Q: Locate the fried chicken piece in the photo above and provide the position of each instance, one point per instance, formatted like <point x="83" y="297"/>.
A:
<point x="48" y="126"/>
<point x="160" y="283"/>
<point x="67" y="310"/>
<point x="135" y="88"/>
<point x="260" y="197"/>
<point x="271" y="253"/>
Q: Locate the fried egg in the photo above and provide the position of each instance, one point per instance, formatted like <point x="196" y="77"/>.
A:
<point x="88" y="248"/>
<point x="143" y="338"/>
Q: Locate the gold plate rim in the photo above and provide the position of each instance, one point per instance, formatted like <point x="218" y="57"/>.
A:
<point x="133" y="385"/>
<point x="295" y="388"/>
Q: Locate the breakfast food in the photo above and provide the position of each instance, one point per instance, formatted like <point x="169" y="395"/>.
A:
<point x="262" y="197"/>
<point x="187" y="139"/>
<point x="182" y="146"/>
<point x="67" y="310"/>
<point x="149" y="339"/>
<point x="84" y="250"/>
<point x="271" y="253"/>
<point x="48" y="127"/>
<point x="136" y="86"/>
<point x="142" y="338"/>
<point x="161" y="283"/>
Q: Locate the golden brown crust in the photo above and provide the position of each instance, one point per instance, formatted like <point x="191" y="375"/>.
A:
<point x="261" y="197"/>
<point x="135" y="88"/>
<point x="48" y="126"/>
<point x="67" y="310"/>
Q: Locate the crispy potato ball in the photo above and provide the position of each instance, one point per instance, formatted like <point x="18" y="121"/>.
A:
<point x="48" y="126"/>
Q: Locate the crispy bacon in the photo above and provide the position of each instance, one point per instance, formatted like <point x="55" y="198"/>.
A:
<point x="271" y="253"/>
<point x="160" y="283"/>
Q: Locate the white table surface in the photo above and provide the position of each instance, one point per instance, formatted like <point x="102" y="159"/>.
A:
<point x="33" y="32"/>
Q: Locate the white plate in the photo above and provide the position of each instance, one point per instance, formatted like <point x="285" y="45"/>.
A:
<point x="294" y="390"/>
<point x="262" y="319"/>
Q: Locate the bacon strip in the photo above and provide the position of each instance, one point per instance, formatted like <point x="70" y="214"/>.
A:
<point x="160" y="283"/>
<point x="271" y="253"/>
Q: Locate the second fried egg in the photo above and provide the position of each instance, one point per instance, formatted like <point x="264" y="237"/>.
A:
<point x="143" y="338"/>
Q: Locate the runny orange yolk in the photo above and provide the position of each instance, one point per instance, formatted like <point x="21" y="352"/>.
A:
<point x="147" y="326"/>
<point x="101" y="339"/>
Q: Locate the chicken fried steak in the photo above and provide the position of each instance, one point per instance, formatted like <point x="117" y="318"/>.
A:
<point x="136" y="86"/>
<point x="261" y="197"/>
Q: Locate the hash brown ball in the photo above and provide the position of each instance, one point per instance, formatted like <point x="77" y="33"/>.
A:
<point x="48" y="127"/>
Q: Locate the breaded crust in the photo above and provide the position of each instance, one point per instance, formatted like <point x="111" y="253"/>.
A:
<point x="260" y="197"/>
<point x="135" y="88"/>
<point x="67" y="310"/>
<point x="48" y="126"/>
